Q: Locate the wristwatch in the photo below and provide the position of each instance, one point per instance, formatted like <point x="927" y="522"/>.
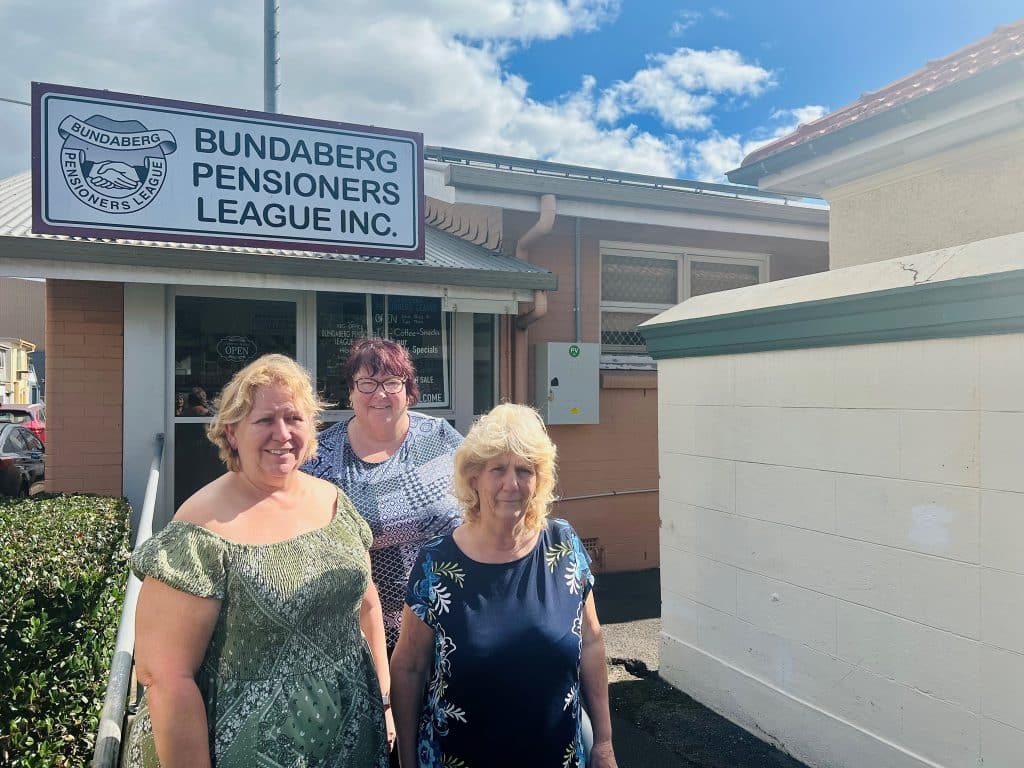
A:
<point x="386" y="698"/>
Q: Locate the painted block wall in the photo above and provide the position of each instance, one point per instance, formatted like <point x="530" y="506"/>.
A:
<point x="960" y="197"/>
<point x="841" y="548"/>
<point x="84" y="386"/>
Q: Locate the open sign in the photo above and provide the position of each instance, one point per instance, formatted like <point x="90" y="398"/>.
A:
<point x="237" y="349"/>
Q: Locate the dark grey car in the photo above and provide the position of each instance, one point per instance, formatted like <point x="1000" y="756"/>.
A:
<point x="22" y="460"/>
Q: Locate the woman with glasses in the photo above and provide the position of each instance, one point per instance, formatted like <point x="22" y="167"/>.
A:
<point x="395" y="465"/>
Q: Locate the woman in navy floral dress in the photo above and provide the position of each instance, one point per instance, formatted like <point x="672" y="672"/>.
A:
<point x="500" y="644"/>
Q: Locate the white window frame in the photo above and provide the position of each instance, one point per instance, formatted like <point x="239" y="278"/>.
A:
<point x="684" y="257"/>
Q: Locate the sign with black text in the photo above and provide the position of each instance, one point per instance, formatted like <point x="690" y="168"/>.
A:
<point x="123" y="166"/>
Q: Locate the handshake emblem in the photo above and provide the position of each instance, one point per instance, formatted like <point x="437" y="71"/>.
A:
<point x="113" y="165"/>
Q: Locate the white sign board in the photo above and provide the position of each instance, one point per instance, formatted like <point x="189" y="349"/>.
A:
<point x="122" y="166"/>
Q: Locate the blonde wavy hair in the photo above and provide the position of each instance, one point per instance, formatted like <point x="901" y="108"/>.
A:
<point x="236" y="400"/>
<point x="508" y="429"/>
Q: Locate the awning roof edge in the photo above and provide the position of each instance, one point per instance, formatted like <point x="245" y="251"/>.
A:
<point x="449" y="259"/>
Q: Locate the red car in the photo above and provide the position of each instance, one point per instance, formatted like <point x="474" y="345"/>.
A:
<point x="32" y="417"/>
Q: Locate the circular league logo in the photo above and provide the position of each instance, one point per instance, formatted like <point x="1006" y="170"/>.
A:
<point x="112" y="165"/>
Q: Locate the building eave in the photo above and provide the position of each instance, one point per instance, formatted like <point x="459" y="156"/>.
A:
<point x="155" y="256"/>
<point x="982" y="106"/>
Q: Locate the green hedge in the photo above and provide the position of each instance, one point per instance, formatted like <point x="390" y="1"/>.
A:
<point x="62" y="578"/>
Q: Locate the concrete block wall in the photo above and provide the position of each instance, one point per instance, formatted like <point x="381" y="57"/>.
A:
<point x="84" y="386"/>
<point x="841" y="548"/>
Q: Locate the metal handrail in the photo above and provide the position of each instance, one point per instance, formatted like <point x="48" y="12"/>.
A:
<point x="108" y="736"/>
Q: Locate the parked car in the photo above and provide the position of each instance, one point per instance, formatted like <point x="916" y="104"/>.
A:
<point x="22" y="460"/>
<point x="32" y="417"/>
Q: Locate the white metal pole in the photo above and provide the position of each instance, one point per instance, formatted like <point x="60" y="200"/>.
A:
<point x="270" y="57"/>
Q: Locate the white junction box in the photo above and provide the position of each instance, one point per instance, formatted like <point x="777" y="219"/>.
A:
<point x="567" y="382"/>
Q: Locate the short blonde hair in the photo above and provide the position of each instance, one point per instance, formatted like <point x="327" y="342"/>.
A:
<point x="508" y="429"/>
<point x="236" y="400"/>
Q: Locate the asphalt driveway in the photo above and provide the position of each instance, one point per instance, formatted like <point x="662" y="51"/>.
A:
<point x="655" y="725"/>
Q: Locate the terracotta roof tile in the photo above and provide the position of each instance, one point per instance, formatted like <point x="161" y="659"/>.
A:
<point x="1005" y="44"/>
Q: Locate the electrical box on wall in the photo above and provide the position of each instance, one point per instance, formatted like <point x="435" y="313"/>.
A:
<point x="567" y="382"/>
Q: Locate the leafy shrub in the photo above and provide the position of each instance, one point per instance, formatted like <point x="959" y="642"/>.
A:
<point x="62" y="580"/>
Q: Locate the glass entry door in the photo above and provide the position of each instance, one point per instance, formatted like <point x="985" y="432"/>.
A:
<point x="215" y="337"/>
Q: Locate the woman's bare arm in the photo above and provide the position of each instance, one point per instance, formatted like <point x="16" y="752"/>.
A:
<point x="371" y="621"/>
<point x="172" y="632"/>
<point x="594" y="673"/>
<point x="410" y="665"/>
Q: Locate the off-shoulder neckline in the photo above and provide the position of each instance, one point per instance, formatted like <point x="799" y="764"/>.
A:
<point x="292" y="539"/>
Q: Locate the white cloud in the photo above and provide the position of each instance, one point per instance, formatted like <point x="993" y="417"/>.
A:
<point x="800" y="115"/>
<point x="684" y="20"/>
<point x="682" y="88"/>
<point x="712" y="157"/>
<point x="435" y="66"/>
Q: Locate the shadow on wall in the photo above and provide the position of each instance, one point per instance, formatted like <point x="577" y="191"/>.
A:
<point x="628" y="595"/>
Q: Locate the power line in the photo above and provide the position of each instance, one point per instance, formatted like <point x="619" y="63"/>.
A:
<point x="15" y="101"/>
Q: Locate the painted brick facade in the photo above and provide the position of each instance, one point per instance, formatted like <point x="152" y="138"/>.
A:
<point x="85" y="385"/>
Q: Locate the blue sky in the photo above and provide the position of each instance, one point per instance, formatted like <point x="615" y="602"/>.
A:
<point x="649" y="86"/>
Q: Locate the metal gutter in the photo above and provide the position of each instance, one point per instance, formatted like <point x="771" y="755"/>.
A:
<point x="737" y="206"/>
<point x="546" y="168"/>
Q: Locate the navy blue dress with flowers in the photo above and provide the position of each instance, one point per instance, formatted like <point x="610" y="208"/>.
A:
<point x="504" y="683"/>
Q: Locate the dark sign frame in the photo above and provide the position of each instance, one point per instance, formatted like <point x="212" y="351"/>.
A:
<point x="41" y="226"/>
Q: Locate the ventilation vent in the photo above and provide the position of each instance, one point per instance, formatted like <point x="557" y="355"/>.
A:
<point x="595" y="549"/>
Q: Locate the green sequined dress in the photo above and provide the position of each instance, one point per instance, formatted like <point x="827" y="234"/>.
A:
<point x="287" y="678"/>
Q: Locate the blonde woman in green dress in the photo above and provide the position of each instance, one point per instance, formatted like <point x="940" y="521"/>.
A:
<point x="256" y="601"/>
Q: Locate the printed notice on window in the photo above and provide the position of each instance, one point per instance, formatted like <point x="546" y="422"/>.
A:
<point x="418" y="324"/>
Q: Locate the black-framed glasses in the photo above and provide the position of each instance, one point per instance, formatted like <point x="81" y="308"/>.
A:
<point x="390" y="386"/>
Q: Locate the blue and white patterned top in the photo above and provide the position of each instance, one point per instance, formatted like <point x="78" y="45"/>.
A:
<point x="504" y="683"/>
<point x="406" y="499"/>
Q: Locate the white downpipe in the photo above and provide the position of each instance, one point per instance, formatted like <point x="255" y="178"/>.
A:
<point x="544" y="224"/>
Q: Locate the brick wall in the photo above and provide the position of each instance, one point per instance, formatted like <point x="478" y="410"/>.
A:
<point x="84" y="386"/>
<point x="619" y="454"/>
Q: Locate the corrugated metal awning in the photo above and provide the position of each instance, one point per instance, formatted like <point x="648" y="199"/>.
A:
<point x="449" y="260"/>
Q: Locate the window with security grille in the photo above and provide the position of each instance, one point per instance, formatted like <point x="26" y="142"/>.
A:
<point x="640" y="283"/>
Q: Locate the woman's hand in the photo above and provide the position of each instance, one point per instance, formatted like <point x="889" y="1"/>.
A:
<point x="389" y="725"/>
<point x="602" y="756"/>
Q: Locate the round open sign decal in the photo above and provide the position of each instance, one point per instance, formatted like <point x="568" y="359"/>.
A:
<point x="237" y="349"/>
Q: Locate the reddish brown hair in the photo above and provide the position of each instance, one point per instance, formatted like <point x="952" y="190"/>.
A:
<point x="381" y="356"/>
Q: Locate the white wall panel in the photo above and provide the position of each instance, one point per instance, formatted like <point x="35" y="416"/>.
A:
<point x="867" y="505"/>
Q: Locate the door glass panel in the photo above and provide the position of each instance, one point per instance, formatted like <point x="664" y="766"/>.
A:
<point x="340" y="321"/>
<point x="415" y="322"/>
<point x="483" y="363"/>
<point x="214" y="338"/>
